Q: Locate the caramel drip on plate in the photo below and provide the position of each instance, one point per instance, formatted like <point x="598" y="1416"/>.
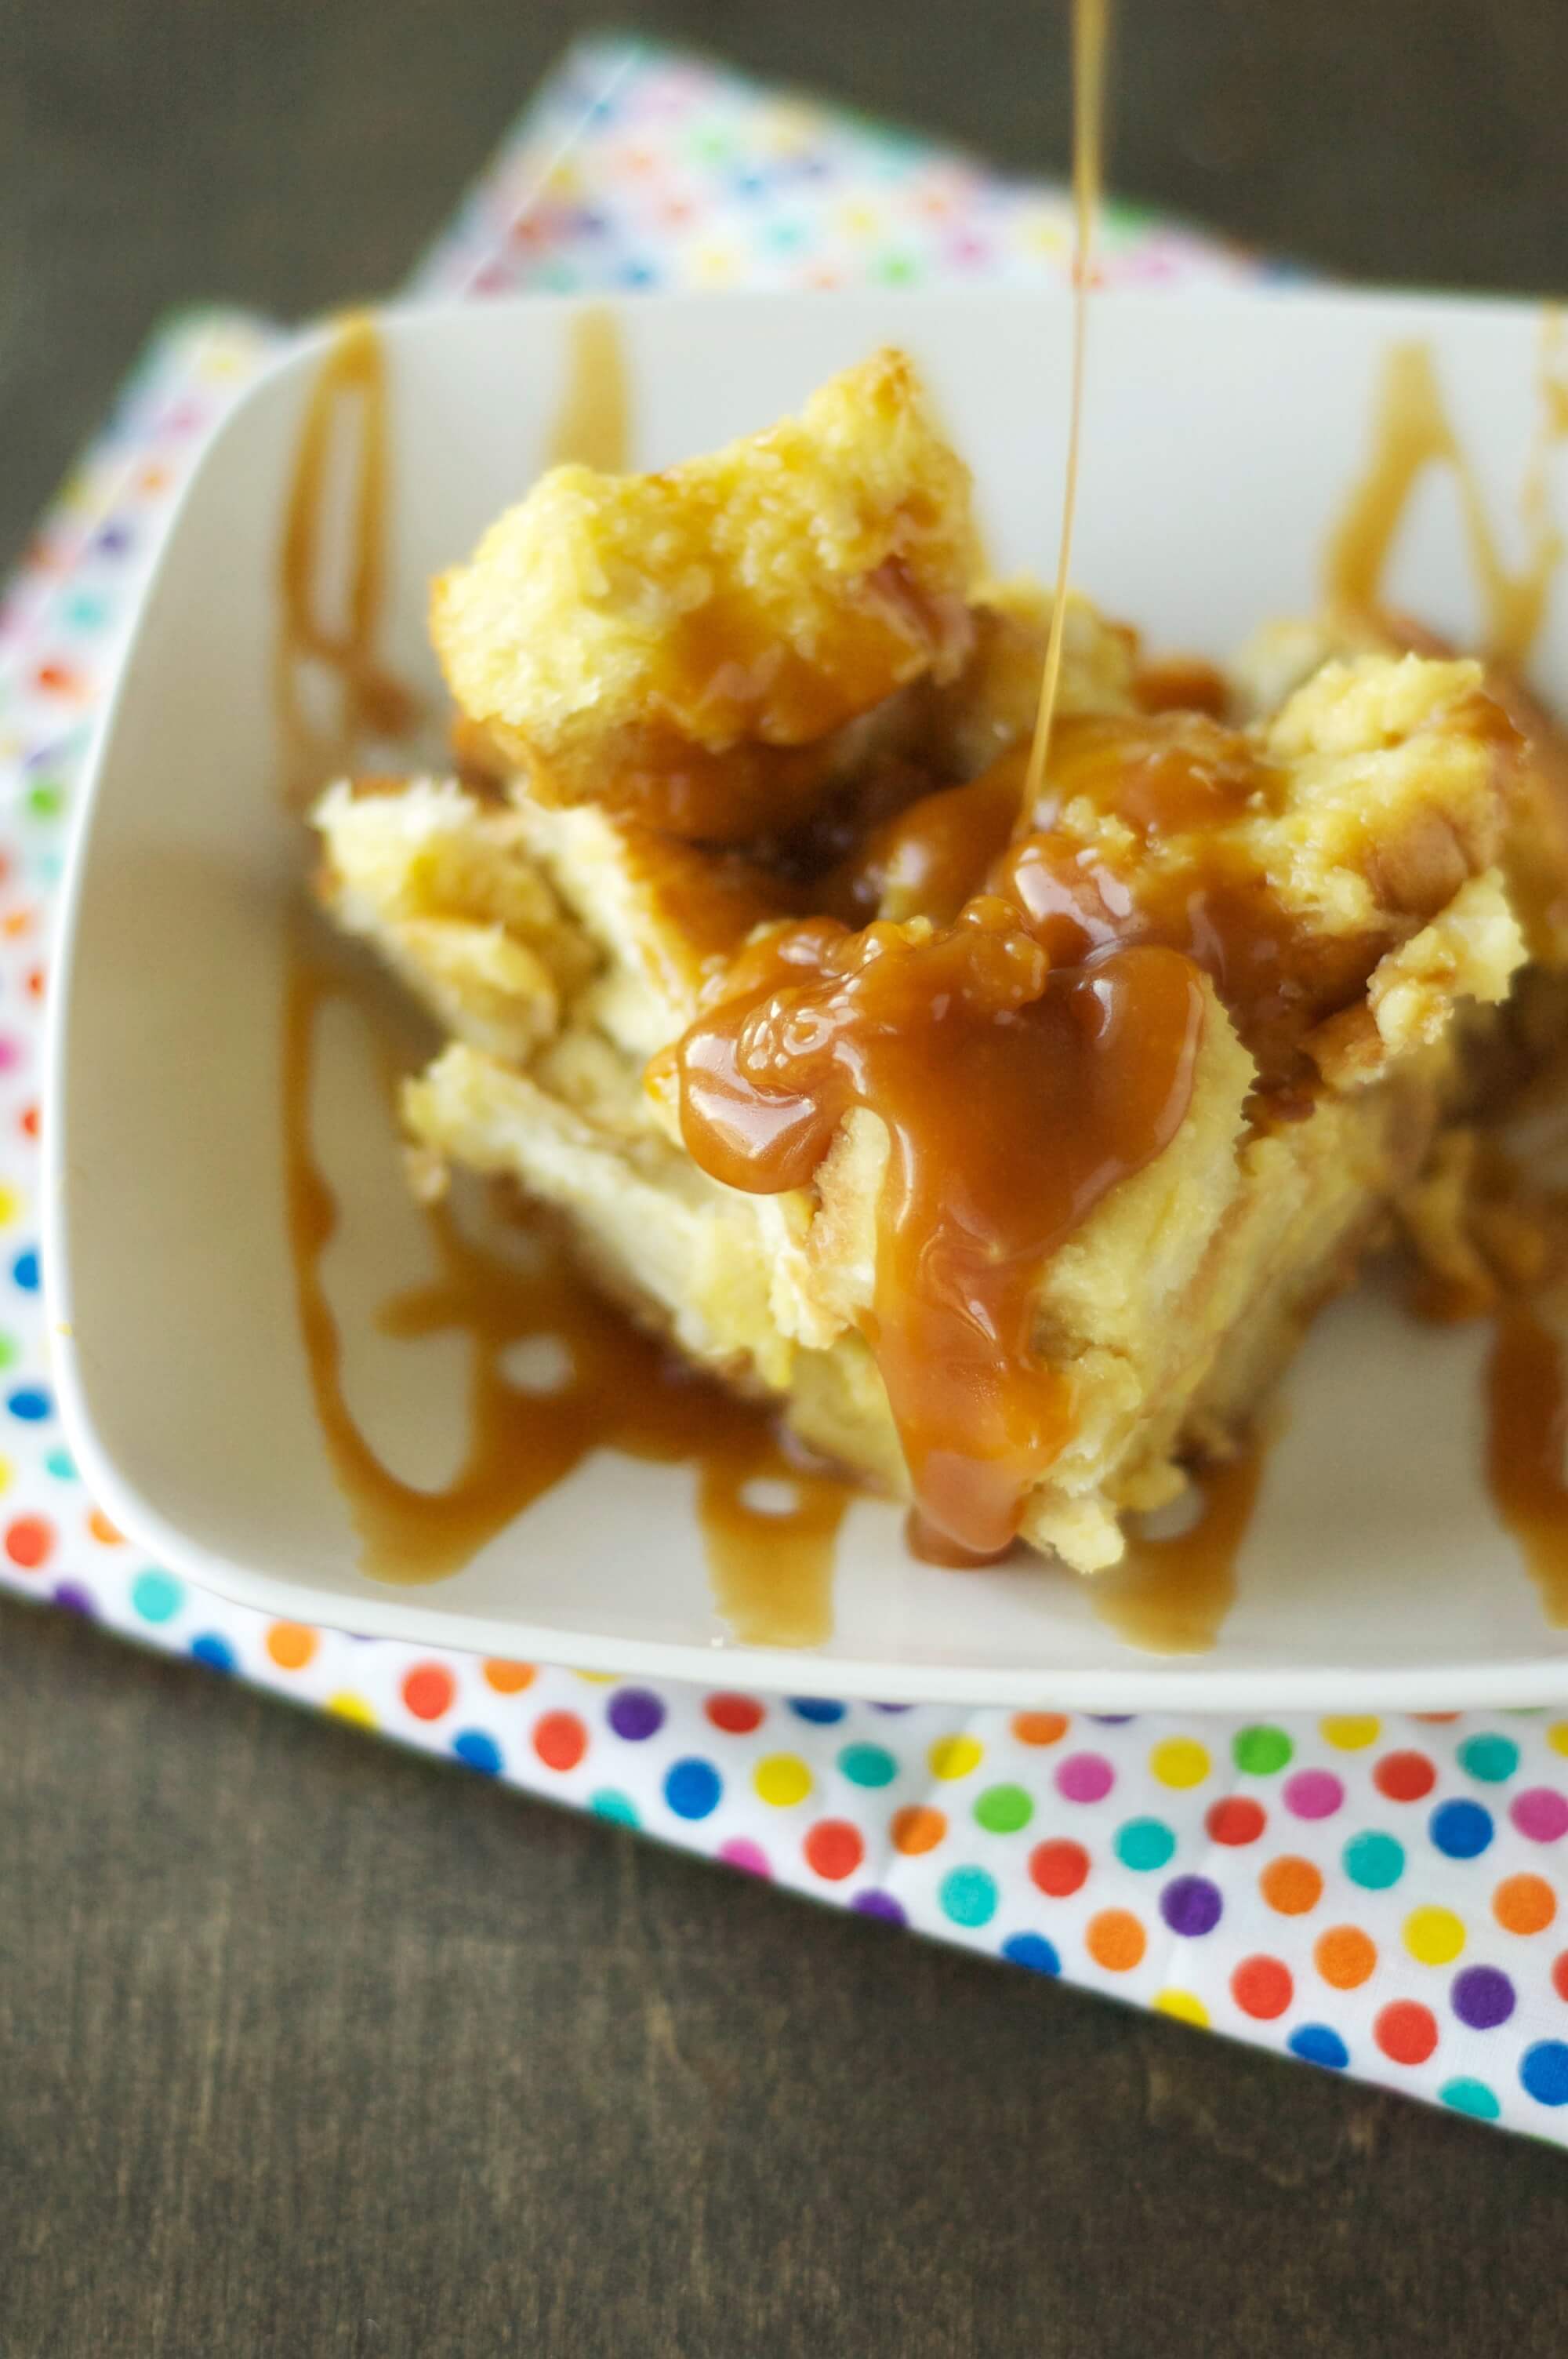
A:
<point x="1527" y="1414"/>
<point x="1414" y="431"/>
<point x="770" y="1555"/>
<point x="1526" y="1386"/>
<point x="1171" y="1597"/>
<point x="1089" y="116"/>
<point x="352" y="381"/>
<point x="592" y="427"/>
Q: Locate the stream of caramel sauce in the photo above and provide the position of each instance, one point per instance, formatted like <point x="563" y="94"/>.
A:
<point x="1088" y="130"/>
<point x="1027" y="1055"/>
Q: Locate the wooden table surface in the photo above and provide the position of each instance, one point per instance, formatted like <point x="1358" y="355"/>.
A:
<point x="309" y="2047"/>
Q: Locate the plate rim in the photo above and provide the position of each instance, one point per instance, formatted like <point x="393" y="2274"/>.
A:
<point x="1184" y="1683"/>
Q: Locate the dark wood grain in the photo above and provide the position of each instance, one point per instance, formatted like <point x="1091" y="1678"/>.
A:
<point x="312" y="2047"/>
<point x="309" y="2047"/>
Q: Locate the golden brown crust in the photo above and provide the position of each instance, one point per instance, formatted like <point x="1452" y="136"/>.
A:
<point x="690" y="644"/>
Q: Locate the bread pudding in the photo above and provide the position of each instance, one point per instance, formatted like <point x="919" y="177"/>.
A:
<point x="1006" y="1141"/>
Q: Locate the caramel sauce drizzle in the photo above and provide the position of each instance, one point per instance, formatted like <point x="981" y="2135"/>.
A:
<point x="1171" y="1597"/>
<point x="1412" y="432"/>
<point x="593" y="427"/>
<point x="1088" y="116"/>
<point x="1526" y="1386"/>
<point x="350" y="384"/>
<point x="1526" y="1411"/>
<point x="1037" y="985"/>
<point x="772" y="1556"/>
<point x="1015" y="1097"/>
<point x="773" y="1567"/>
<point x="1027" y="1033"/>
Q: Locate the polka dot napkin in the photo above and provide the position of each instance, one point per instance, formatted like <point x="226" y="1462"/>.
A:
<point x="1385" y="1897"/>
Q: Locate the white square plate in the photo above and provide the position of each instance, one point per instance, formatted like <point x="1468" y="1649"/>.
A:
<point x="1222" y="431"/>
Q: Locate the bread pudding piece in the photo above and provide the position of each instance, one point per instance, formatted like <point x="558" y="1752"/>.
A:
<point x="692" y="645"/>
<point x="1009" y="1152"/>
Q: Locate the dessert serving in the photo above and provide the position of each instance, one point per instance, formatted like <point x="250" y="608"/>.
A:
<point x="1004" y="1131"/>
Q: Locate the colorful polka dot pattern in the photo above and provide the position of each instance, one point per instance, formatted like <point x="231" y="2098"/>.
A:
<point x="1383" y="1898"/>
<point x="638" y="169"/>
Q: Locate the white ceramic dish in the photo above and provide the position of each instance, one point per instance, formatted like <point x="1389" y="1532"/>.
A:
<point x="1222" y="434"/>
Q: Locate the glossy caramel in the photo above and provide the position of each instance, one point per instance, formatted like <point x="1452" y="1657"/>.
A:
<point x="349" y="391"/>
<point x="1015" y="1097"/>
<point x="772" y="1566"/>
<point x="934" y="854"/>
<point x="1181" y="684"/>
<point x="1185" y="786"/>
<point x="1526" y="1411"/>
<point x="1171" y="1597"/>
<point x="1414" y="431"/>
<point x="1028" y="1048"/>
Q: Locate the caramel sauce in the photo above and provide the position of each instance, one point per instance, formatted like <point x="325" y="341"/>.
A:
<point x="708" y="901"/>
<point x="658" y="777"/>
<point x="770" y="1560"/>
<point x="1526" y="1388"/>
<point x="727" y="674"/>
<point x="1185" y="786"/>
<point x="1181" y="684"/>
<point x="771" y="1568"/>
<point x="1023" y="1020"/>
<point x="1171" y="1597"/>
<point x="1014" y="1098"/>
<point x="928" y="1545"/>
<point x="592" y="427"/>
<point x="1527" y="1407"/>
<point x="1412" y="432"/>
<point x="1088" y="116"/>
<point x="1173" y="773"/>
<point x="1163" y="775"/>
<point x="1026" y="1032"/>
<point x="934" y="854"/>
<point x="352" y="381"/>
